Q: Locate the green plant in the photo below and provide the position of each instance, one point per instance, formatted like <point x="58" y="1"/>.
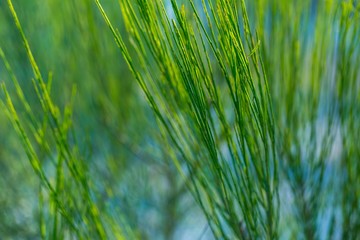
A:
<point x="296" y="63"/>
<point x="50" y="137"/>
<point x="225" y="142"/>
<point x="348" y="111"/>
<point x="257" y="107"/>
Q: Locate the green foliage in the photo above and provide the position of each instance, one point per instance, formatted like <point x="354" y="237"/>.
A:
<point x="70" y="170"/>
<point x="296" y="64"/>
<point x="256" y="104"/>
<point x="100" y="123"/>
<point x="347" y="99"/>
<point x="217" y="113"/>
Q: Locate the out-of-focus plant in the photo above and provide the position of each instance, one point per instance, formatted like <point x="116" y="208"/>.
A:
<point x="348" y="109"/>
<point x="297" y="54"/>
<point x="72" y="210"/>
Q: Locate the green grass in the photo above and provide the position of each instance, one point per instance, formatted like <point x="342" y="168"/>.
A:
<point x="69" y="167"/>
<point x="235" y="150"/>
<point x="256" y="106"/>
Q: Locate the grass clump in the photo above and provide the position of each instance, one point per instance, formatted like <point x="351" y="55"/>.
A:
<point x="205" y="83"/>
